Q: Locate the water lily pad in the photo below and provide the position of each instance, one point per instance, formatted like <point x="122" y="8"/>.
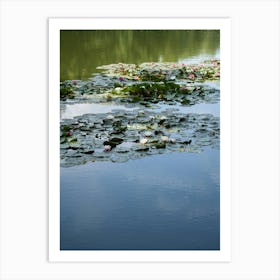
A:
<point x="189" y="133"/>
<point x="151" y="85"/>
<point x="160" y="145"/>
<point x="141" y="149"/>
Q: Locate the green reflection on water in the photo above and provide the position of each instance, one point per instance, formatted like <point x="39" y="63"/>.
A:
<point x="81" y="51"/>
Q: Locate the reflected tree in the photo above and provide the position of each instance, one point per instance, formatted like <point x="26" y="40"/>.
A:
<point x="81" y="51"/>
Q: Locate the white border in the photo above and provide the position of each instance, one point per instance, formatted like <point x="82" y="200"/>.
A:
<point x="223" y="255"/>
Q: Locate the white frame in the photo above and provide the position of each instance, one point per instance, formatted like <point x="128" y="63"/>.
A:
<point x="24" y="167"/>
<point x="222" y="255"/>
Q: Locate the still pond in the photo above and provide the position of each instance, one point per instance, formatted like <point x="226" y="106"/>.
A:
<point x="139" y="173"/>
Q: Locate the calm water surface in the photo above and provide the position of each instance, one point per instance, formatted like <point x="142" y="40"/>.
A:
<point x="162" y="202"/>
<point x="73" y="110"/>
<point x="159" y="202"/>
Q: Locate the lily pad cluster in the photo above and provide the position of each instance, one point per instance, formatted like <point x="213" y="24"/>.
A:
<point x="67" y="90"/>
<point x="123" y="135"/>
<point x="168" y="93"/>
<point x="148" y="83"/>
<point x="157" y="72"/>
<point x="133" y="133"/>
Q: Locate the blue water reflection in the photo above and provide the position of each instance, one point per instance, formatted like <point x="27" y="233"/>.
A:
<point x="163" y="202"/>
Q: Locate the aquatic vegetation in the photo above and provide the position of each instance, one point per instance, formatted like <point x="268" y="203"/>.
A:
<point x="146" y="133"/>
<point x="129" y="134"/>
<point x="159" y="71"/>
<point x="143" y="141"/>
<point x="107" y="148"/>
<point x="147" y="82"/>
<point x="66" y="91"/>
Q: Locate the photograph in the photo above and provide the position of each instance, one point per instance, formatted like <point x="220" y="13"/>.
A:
<point x="130" y="143"/>
<point x="139" y="139"/>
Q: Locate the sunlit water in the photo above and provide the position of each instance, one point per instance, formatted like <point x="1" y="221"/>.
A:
<point x="160" y="202"/>
<point x="74" y="110"/>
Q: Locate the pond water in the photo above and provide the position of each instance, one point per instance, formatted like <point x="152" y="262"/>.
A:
<point x="77" y="109"/>
<point x="82" y="51"/>
<point x="73" y="110"/>
<point x="157" y="201"/>
<point x="160" y="202"/>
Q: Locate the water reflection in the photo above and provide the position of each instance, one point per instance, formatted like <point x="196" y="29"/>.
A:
<point x="159" y="202"/>
<point x="73" y="110"/>
<point x="201" y="108"/>
<point x="82" y="51"/>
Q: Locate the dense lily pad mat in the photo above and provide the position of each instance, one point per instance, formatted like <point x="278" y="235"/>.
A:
<point x="125" y="135"/>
